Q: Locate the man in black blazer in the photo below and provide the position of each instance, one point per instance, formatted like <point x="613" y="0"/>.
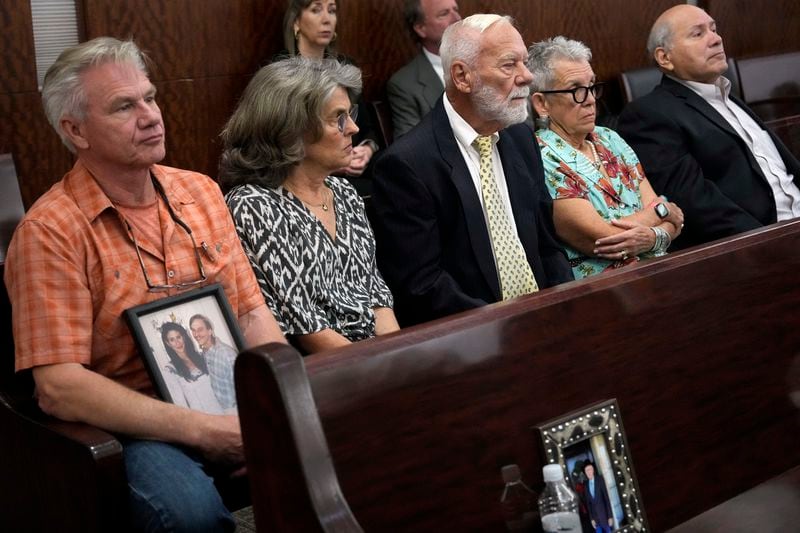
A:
<point x="413" y="90"/>
<point x="699" y="146"/>
<point x="434" y="245"/>
<point x="597" y="501"/>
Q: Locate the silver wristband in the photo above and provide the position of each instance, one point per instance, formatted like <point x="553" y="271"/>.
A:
<point x="662" y="241"/>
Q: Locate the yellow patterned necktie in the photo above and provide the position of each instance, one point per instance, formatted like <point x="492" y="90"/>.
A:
<point x="513" y="269"/>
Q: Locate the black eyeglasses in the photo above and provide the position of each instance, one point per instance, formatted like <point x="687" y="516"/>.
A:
<point x="151" y="287"/>
<point x="580" y="94"/>
<point x="341" y="118"/>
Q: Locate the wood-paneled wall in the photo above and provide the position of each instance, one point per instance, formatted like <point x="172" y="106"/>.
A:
<point x="757" y="27"/>
<point x="205" y="51"/>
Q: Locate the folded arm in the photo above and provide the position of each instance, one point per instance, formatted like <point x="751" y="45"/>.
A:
<point x="580" y="225"/>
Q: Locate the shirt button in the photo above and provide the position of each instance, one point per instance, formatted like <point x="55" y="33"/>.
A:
<point x="171" y="273"/>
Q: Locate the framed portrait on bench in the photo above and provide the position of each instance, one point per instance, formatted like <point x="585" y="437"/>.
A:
<point x="189" y="343"/>
<point x="591" y="446"/>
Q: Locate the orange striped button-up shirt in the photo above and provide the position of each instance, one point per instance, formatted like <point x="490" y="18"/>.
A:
<point x="72" y="270"/>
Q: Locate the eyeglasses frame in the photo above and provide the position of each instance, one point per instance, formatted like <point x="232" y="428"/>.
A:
<point x="341" y="118"/>
<point x="596" y="89"/>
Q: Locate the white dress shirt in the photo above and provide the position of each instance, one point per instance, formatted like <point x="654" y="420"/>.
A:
<point x="465" y="135"/>
<point x="786" y="193"/>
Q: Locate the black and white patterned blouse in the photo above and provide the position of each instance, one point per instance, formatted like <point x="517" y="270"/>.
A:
<point x="309" y="281"/>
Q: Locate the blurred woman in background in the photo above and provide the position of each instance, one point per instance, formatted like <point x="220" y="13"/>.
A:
<point x="309" y="30"/>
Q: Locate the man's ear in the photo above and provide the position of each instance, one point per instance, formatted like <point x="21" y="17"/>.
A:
<point x="462" y="76"/>
<point x="663" y="60"/>
<point x="540" y="104"/>
<point x="419" y="29"/>
<point x="74" y="131"/>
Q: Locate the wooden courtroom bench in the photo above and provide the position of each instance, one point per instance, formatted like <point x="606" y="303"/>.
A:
<point x="409" y="432"/>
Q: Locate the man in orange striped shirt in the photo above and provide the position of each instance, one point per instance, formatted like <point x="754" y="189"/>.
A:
<point x="118" y="231"/>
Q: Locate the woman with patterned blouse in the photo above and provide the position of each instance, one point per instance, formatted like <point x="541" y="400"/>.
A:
<point x="604" y="208"/>
<point x="305" y="232"/>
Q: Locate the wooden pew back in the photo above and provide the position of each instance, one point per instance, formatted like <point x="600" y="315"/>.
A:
<point x="700" y="349"/>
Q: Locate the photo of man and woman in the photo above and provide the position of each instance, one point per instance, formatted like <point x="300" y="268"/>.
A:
<point x="191" y="355"/>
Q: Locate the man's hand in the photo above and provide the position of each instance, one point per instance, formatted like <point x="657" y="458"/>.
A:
<point x="219" y="439"/>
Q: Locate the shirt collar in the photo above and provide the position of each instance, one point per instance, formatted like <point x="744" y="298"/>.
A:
<point x="719" y="90"/>
<point x="464" y="133"/>
<point x="92" y="201"/>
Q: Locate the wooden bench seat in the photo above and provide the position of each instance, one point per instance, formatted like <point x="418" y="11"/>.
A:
<point x="409" y="432"/>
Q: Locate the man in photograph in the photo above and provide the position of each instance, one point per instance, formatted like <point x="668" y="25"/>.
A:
<point x="219" y="358"/>
<point x="118" y="231"/>
<point x="462" y="215"/>
<point x="597" y="501"/>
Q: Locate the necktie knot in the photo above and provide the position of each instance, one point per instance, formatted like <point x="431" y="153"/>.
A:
<point x="484" y="145"/>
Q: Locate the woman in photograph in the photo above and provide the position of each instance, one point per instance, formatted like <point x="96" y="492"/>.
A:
<point x="306" y="232"/>
<point x="604" y="208"/>
<point x="309" y="30"/>
<point x="188" y="370"/>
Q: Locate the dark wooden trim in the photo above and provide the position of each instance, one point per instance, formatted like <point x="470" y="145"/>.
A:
<point x="279" y="420"/>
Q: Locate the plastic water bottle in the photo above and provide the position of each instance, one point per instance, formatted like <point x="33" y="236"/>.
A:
<point x="558" y="504"/>
<point x="518" y="501"/>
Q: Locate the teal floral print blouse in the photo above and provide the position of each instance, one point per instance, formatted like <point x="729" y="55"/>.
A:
<point x="570" y="174"/>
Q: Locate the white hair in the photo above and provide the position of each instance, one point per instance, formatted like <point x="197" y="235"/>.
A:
<point x="461" y="41"/>
<point x="543" y="55"/>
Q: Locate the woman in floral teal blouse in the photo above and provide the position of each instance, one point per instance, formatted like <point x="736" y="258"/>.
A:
<point x="605" y="210"/>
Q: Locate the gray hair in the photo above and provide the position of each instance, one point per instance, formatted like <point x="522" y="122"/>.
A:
<point x="460" y="41"/>
<point x="63" y="93"/>
<point x="543" y="55"/>
<point x="660" y="37"/>
<point x="280" y="110"/>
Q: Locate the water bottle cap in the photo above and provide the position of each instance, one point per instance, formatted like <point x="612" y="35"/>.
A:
<point x="510" y="473"/>
<point x="552" y="473"/>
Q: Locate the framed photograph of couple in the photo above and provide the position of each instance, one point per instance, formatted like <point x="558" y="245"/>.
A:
<point x="189" y="343"/>
<point x="592" y="449"/>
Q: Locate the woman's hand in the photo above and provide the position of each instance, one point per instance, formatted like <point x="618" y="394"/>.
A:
<point x="635" y="240"/>
<point x="361" y="156"/>
<point x="675" y="218"/>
